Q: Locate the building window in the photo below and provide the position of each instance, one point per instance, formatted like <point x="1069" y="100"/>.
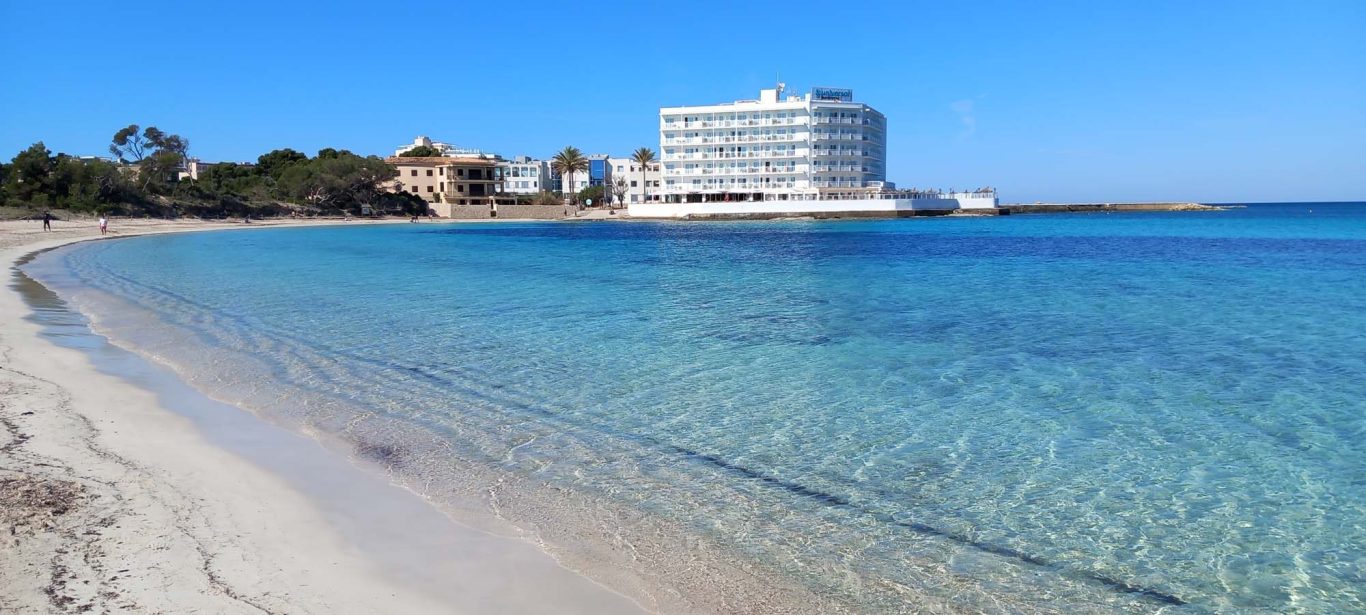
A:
<point x="441" y="171"/>
<point x="429" y="189"/>
<point x="429" y="172"/>
<point x="414" y="172"/>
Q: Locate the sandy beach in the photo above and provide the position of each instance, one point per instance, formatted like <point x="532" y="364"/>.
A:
<point x="115" y="498"/>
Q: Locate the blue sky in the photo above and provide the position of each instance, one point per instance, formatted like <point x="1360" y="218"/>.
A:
<point x="1081" y="101"/>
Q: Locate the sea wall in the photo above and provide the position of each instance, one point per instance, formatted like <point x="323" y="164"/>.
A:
<point x="485" y="212"/>
<point x="532" y="212"/>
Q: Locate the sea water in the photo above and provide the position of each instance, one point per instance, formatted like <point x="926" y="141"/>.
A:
<point x="1101" y="412"/>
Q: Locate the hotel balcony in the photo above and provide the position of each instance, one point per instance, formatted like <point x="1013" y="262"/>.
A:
<point x="787" y="121"/>
<point x="798" y="137"/>
<point x="736" y="156"/>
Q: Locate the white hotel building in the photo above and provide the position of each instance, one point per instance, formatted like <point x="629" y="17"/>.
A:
<point x="817" y="153"/>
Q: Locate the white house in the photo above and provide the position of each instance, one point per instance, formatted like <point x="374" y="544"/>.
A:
<point x="638" y="187"/>
<point x="525" y="175"/>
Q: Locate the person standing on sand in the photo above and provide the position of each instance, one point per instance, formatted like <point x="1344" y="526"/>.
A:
<point x="104" y="225"/>
<point x="47" y="220"/>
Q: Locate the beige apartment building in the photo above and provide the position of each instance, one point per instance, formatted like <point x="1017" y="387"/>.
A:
<point x="445" y="181"/>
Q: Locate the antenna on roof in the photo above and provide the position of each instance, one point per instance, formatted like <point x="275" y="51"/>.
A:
<point x="781" y="86"/>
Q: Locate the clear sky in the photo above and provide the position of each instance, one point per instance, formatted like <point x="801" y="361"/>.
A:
<point x="1087" y="100"/>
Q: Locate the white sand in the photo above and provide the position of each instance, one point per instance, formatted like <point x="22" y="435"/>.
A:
<point x="111" y="501"/>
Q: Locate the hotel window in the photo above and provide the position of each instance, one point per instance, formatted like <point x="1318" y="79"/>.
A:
<point x="429" y="172"/>
<point x="414" y="172"/>
<point x="429" y="189"/>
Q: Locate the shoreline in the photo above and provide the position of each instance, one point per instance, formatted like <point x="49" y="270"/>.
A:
<point x="601" y="547"/>
<point x="654" y="562"/>
<point x="119" y="494"/>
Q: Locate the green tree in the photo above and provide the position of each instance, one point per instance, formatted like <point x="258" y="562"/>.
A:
<point x="568" y="162"/>
<point x="158" y="170"/>
<point x="30" y="176"/>
<point x="275" y="162"/>
<point x="129" y="145"/>
<point x="339" y="180"/>
<point x="168" y="143"/>
<point x="643" y="157"/>
<point x="38" y="179"/>
<point x="159" y="155"/>
<point x="597" y="194"/>
<point x="329" y="153"/>
<point x="424" y="151"/>
<point x="547" y="198"/>
<point x="234" y="179"/>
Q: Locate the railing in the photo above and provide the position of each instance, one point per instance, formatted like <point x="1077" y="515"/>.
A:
<point x="735" y="156"/>
<point x="736" y="139"/>
<point x="738" y="171"/>
<point x="788" y="121"/>
<point x="792" y="136"/>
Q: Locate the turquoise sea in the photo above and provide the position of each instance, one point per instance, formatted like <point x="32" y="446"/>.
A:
<point x="1082" y="412"/>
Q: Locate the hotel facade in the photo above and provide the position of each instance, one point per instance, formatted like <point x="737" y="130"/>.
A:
<point x="820" y="153"/>
<point x="771" y="148"/>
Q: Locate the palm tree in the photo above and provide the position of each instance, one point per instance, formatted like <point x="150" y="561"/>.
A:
<point x="568" y="162"/>
<point x="643" y="157"/>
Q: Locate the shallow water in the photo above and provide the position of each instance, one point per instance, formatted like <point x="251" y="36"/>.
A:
<point x="1123" y="411"/>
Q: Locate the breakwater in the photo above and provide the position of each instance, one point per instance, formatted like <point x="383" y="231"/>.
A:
<point x="1053" y="208"/>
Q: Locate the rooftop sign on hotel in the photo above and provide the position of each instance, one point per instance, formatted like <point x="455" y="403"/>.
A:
<point x="837" y="94"/>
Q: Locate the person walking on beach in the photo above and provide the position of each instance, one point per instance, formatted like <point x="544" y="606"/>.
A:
<point x="47" y="220"/>
<point x="104" y="225"/>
